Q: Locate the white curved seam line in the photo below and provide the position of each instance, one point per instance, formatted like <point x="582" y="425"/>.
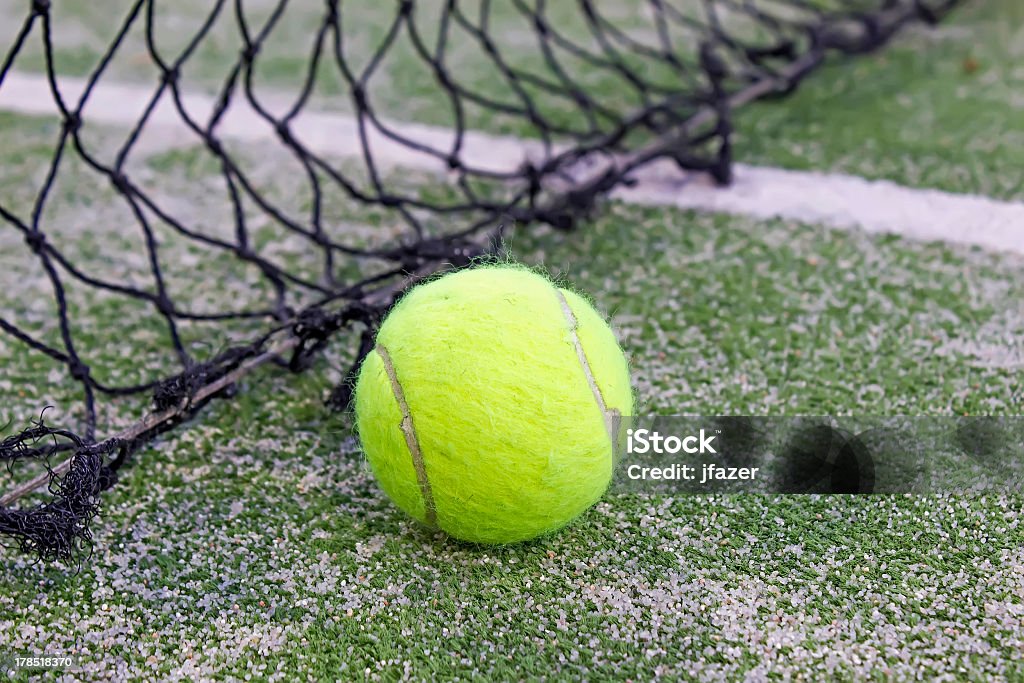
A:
<point x="409" y="431"/>
<point x="610" y="416"/>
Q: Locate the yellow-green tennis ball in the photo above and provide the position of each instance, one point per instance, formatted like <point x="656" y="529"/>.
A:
<point x="490" y="403"/>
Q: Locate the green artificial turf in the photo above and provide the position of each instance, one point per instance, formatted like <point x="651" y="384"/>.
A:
<point x="941" y="109"/>
<point x="257" y="529"/>
<point x="253" y="540"/>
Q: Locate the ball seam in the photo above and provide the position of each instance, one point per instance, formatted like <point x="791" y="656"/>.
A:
<point x="610" y="417"/>
<point x="411" y="440"/>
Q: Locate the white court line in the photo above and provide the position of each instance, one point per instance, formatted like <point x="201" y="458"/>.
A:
<point x="839" y="201"/>
<point x="121" y="105"/>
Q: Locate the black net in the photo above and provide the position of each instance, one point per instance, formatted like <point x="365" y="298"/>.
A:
<point x="236" y="185"/>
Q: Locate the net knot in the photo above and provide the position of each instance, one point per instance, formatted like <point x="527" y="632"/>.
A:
<point x="40" y="6"/>
<point x="249" y="52"/>
<point x="78" y="370"/>
<point x="284" y="132"/>
<point x="119" y="181"/>
<point x="442" y="78"/>
<point x="359" y="95"/>
<point x="164" y="305"/>
<point x="172" y="75"/>
<point x="35" y="240"/>
<point x="178" y="391"/>
<point x="315" y="324"/>
<point x="313" y="328"/>
<point x="171" y="392"/>
<point x="72" y="122"/>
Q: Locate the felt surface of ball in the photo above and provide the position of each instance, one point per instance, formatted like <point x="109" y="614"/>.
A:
<point x="490" y="403"/>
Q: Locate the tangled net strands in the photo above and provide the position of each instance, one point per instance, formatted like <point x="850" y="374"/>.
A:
<point x="718" y="54"/>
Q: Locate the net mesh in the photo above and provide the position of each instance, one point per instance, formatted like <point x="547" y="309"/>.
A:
<point x="263" y="150"/>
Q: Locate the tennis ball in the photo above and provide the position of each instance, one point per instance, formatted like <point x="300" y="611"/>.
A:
<point x="491" y="404"/>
